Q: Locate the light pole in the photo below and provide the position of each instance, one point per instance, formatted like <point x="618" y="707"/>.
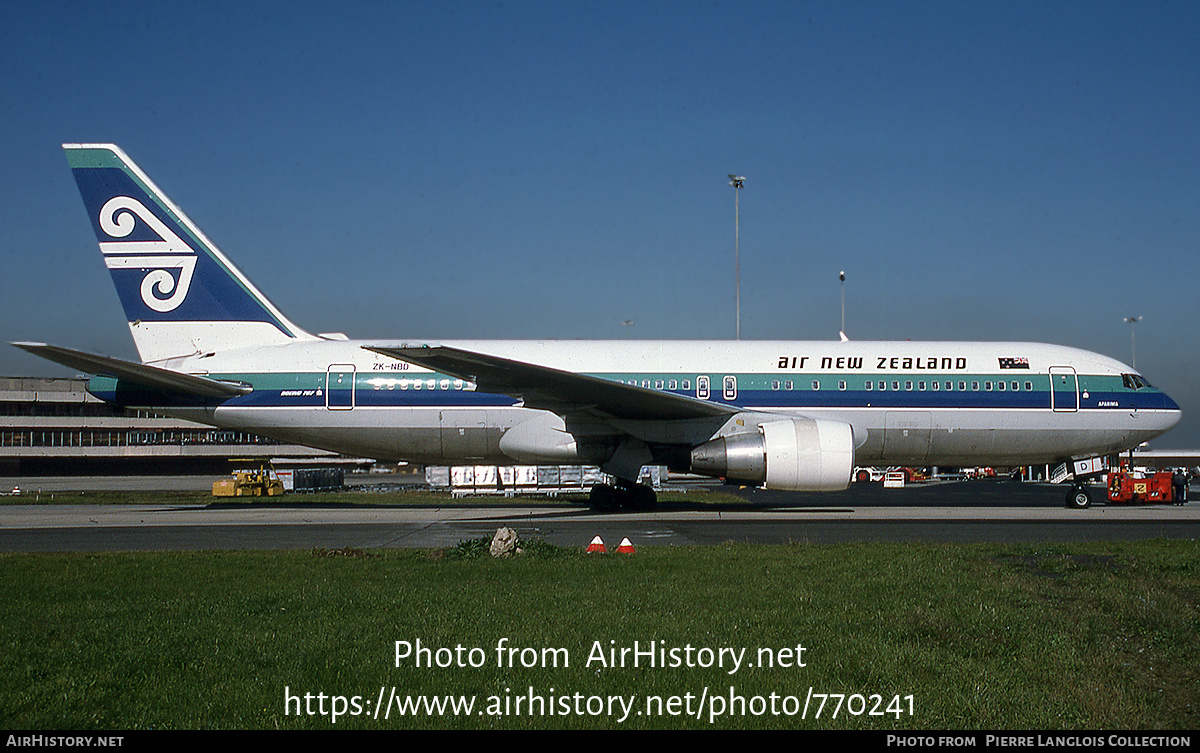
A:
<point x="1133" y="320"/>
<point x="842" y="331"/>
<point x="736" y="181"/>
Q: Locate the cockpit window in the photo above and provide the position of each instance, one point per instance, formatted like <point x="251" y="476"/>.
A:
<point x="1134" y="381"/>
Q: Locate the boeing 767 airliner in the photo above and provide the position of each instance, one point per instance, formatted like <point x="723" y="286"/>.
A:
<point x="786" y="415"/>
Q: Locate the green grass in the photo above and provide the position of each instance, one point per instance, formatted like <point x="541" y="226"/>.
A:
<point x="1072" y="636"/>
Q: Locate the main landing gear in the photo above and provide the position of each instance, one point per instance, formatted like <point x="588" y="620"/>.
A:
<point x="631" y="496"/>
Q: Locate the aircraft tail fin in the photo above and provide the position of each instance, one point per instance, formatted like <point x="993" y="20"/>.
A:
<point x="182" y="297"/>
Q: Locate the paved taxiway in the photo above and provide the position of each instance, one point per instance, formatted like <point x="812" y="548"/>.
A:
<point x="960" y="512"/>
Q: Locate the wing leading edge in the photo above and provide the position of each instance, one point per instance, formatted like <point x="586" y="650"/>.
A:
<point x="553" y="389"/>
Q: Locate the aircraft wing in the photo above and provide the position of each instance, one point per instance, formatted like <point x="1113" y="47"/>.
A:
<point x="136" y="373"/>
<point x="552" y="389"/>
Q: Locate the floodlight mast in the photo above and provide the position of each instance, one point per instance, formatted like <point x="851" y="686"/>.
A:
<point x="737" y="181"/>
<point x="1133" y="320"/>
<point x="842" y="331"/>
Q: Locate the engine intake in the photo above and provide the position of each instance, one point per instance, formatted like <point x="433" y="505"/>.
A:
<point x="798" y="454"/>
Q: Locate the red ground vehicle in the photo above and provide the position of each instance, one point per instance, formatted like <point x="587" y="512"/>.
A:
<point x="1154" y="488"/>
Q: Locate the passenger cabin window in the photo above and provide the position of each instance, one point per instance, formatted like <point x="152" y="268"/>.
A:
<point x="702" y="387"/>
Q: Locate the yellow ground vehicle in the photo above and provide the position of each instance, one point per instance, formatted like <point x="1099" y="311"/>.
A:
<point x="256" y="482"/>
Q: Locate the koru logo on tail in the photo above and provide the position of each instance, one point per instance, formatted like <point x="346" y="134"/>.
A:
<point x="162" y="290"/>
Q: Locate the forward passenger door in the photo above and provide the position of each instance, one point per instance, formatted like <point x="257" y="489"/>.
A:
<point x="1064" y="389"/>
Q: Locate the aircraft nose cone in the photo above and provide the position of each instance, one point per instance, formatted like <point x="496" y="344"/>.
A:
<point x="1171" y="412"/>
<point x="1173" y="409"/>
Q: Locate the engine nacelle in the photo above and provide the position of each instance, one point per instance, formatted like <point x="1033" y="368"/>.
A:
<point x="541" y="439"/>
<point x="796" y="454"/>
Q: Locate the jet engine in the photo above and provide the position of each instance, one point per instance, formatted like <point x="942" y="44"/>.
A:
<point x="798" y="454"/>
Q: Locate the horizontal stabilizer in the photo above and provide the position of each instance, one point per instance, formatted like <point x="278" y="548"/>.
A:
<point x="552" y="389"/>
<point x="136" y="373"/>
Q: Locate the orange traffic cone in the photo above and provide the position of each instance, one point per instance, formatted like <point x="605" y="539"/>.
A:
<point x="597" y="547"/>
<point x="626" y="546"/>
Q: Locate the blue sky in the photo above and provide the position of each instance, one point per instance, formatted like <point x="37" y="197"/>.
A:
<point x="1002" y="171"/>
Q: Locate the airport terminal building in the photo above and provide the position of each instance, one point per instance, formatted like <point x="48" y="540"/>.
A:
<point x="53" y="426"/>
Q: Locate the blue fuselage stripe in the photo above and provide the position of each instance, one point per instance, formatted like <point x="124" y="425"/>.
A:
<point x="307" y="391"/>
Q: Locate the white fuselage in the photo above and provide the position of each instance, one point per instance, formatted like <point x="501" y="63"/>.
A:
<point x="921" y="403"/>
